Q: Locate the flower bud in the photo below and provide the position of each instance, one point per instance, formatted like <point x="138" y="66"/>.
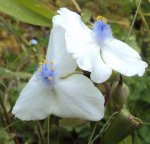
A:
<point x="118" y="96"/>
<point x="122" y="125"/>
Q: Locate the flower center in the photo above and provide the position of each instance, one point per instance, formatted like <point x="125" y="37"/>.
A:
<point x="101" y="29"/>
<point x="46" y="73"/>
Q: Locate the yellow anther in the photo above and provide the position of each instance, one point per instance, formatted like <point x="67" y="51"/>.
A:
<point x="40" y="58"/>
<point x="51" y="62"/>
<point x="40" y="63"/>
<point x="51" y="68"/>
<point x="44" y="61"/>
<point x="101" y="18"/>
<point x="104" y="19"/>
<point x="50" y="78"/>
<point x="98" y="18"/>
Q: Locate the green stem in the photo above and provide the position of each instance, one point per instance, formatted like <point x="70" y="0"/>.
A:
<point x="41" y="133"/>
<point x="146" y="123"/>
<point x="76" y="5"/>
<point x="92" y="134"/>
<point x="104" y="127"/>
<point x="8" y="119"/>
<point x="12" y="124"/>
<point x="76" y="72"/>
<point x="133" y="20"/>
<point x="48" y="130"/>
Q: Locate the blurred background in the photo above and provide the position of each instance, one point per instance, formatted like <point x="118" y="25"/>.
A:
<point x="23" y="45"/>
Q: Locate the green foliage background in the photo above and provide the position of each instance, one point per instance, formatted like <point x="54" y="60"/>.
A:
<point x="19" y="59"/>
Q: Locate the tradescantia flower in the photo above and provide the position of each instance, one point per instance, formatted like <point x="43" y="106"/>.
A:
<point x="96" y="50"/>
<point x="48" y="93"/>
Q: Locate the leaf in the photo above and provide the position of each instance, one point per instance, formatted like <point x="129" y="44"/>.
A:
<point x="37" y="7"/>
<point x="120" y="127"/>
<point x="137" y="139"/>
<point x="127" y="140"/>
<point x="145" y="133"/>
<point x="5" y="138"/>
<point x="32" y="12"/>
<point x="5" y="73"/>
<point x="145" y="97"/>
<point x="71" y="123"/>
<point x="86" y="15"/>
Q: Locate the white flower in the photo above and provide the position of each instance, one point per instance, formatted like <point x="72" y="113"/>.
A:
<point x="46" y="93"/>
<point x="96" y="50"/>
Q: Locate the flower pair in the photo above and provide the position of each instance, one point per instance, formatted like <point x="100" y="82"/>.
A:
<point x="56" y="89"/>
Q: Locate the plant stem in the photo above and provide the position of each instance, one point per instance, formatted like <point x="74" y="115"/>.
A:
<point x="76" y="5"/>
<point x="133" y="20"/>
<point x="7" y="119"/>
<point x="12" y="124"/>
<point x="48" y="130"/>
<point x="107" y="88"/>
<point x="146" y="123"/>
<point x="143" y="19"/>
<point x="41" y="136"/>
<point x="92" y="134"/>
<point x="104" y="127"/>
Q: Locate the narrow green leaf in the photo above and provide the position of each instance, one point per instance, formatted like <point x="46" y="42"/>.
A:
<point x="38" y="8"/>
<point x="127" y="140"/>
<point x="5" y="73"/>
<point x="31" y="12"/>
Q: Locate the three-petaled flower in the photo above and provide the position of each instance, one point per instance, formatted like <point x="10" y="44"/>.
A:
<point x="48" y="93"/>
<point x="96" y="50"/>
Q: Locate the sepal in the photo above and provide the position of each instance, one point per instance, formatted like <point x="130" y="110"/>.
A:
<point x="122" y="125"/>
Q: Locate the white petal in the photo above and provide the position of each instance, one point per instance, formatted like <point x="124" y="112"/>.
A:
<point x="35" y="101"/>
<point x="122" y="58"/>
<point x="69" y="20"/>
<point x="77" y="35"/>
<point x="63" y="61"/>
<point x="77" y="97"/>
<point x="83" y="56"/>
<point x="79" y="40"/>
<point x="100" y="71"/>
<point x="72" y="23"/>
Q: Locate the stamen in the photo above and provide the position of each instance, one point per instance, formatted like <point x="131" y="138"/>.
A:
<point x="40" y="59"/>
<point x="46" y="72"/>
<point x="101" y="29"/>
<point x="44" y="61"/>
<point x="51" y="78"/>
<point x="51" y="62"/>
<point x="98" y="18"/>
<point x="40" y="68"/>
<point x="40" y="63"/>
<point x="101" y="18"/>
<point x="51" y="68"/>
